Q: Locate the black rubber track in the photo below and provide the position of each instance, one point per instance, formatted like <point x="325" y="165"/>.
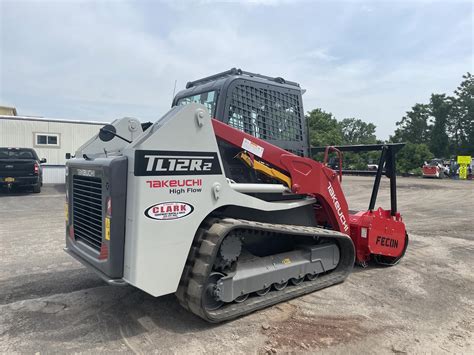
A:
<point x="204" y="250"/>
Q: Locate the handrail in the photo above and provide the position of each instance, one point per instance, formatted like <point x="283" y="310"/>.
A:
<point x="330" y="148"/>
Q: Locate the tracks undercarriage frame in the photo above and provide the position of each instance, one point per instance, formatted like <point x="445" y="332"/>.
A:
<point x="200" y="262"/>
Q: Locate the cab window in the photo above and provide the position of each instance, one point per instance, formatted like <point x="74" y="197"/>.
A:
<point x="208" y="99"/>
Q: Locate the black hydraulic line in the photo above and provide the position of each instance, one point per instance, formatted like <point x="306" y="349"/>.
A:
<point x="378" y="177"/>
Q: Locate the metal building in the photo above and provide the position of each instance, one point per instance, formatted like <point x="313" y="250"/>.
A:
<point x="51" y="138"/>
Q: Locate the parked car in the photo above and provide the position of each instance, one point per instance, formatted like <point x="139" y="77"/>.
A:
<point x="435" y="169"/>
<point x="20" y="167"/>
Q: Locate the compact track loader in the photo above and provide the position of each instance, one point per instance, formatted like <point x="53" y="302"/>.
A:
<point x="219" y="201"/>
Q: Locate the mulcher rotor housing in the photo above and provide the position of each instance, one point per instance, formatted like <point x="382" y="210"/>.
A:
<point x="218" y="202"/>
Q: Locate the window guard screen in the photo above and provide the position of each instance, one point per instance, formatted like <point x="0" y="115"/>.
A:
<point x="265" y="113"/>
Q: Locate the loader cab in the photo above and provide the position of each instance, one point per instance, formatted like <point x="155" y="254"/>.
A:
<point x="267" y="108"/>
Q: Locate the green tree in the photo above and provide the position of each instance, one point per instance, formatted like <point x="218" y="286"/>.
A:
<point x="461" y="118"/>
<point x="440" y="108"/>
<point x="414" y="127"/>
<point x="411" y="158"/>
<point x="356" y="131"/>
<point x="323" y="128"/>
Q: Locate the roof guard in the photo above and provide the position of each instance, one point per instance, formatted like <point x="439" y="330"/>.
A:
<point x="235" y="71"/>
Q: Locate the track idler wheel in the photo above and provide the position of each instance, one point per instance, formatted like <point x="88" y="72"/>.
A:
<point x="210" y="300"/>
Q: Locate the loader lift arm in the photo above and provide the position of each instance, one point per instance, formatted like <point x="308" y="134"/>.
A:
<point x="308" y="177"/>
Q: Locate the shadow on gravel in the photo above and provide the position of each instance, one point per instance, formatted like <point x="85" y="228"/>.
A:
<point x="372" y="265"/>
<point x="46" y="284"/>
<point x="58" y="187"/>
<point x="73" y="304"/>
<point x="163" y="312"/>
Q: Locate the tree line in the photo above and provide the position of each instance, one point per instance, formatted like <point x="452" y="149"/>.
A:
<point x="441" y="128"/>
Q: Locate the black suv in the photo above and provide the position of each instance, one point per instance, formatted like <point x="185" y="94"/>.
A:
<point x="20" y="167"/>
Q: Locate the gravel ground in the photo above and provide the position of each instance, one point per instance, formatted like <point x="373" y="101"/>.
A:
<point x="50" y="303"/>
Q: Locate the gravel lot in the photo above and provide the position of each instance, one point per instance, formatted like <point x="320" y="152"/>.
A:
<point x="50" y="303"/>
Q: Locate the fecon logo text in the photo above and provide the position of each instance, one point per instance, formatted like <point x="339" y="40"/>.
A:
<point x="169" y="210"/>
<point x="387" y="242"/>
<point x="166" y="163"/>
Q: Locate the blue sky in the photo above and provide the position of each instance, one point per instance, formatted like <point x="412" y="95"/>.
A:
<point x="101" y="60"/>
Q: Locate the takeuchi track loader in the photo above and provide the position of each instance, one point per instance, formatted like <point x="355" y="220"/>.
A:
<point x="220" y="203"/>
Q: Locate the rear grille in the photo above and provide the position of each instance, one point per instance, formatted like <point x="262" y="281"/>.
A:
<point x="87" y="210"/>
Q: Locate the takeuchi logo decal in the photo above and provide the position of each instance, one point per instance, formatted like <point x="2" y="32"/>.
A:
<point x="338" y="207"/>
<point x="166" y="211"/>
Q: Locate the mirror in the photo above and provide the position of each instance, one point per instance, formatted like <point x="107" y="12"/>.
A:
<point x="68" y="156"/>
<point x="42" y="161"/>
<point x="107" y="133"/>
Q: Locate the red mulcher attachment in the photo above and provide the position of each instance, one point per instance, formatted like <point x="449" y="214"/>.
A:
<point x="379" y="234"/>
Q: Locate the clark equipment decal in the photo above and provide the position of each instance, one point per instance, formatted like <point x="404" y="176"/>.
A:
<point x="166" y="211"/>
<point x="166" y="163"/>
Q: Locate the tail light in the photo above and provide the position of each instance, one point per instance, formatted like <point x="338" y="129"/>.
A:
<point x="71" y="232"/>
<point x="104" y="252"/>
<point x="36" y="169"/>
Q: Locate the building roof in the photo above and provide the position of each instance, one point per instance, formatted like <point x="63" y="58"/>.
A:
<point x="47" y="119"/>
<point x="12" y="110"/>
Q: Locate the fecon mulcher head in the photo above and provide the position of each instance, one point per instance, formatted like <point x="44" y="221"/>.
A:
<point x="229" y="212"/>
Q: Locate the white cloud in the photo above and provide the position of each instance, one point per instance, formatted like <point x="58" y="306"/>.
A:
<point x="320" y="54"/>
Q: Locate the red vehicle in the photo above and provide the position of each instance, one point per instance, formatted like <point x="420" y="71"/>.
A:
<point x="434" y="169"/>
